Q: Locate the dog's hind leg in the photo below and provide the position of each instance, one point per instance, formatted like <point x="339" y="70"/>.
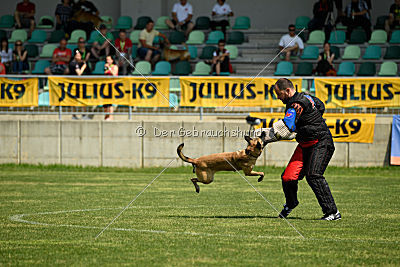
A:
<point x="194" y="181"/>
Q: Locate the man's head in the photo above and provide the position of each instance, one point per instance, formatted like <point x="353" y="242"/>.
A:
<point x="354" y="1"/>
<point x="183" y="2"/>
<point x="221" y="44"/>
<point x="149" y="25"/>
<point x="81" y="42"/>
<point x="26" y="1"/>
<point x="103" y="29"/>
<point x="284" y="89"/>
<point x="221" y="2"/>
<point x="63" y="43"/>
<point x="292" y="30"/>
<point x="122" y="34"/>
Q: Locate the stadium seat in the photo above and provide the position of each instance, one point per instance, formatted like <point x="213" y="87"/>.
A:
<point x="93" y="37"/>
<point x="395" y="38"/>
<point x="207" y="52"/>
<point x="142" y="67"/>
<point x="310" y="52"/>
<point x="47" y="50"/>
<point x="3" y="34"/>
<point x="134" y="51"/>
<point x="378" y="37"/>
<point x="196" y="37"/>
<point x="182" y="68"/>
<point x="116" y="34"/>
<point x="335" y="50"/>
<point x="233" y="51"/>
<point x="373" y="52"/>
<point x="337" y="37"/>
<point x="38" y="36"/>
<point x="40" y="65"/>
<point x="351" y="52"/>
<point x="177" y="37"/>
<point x="388" y="68"/>
<point x="192" y="51"/>
<point x="99" y="68"/>
<point x="72" y="46"/>
<point x="392" y="52"/>
<point x="380" y="22"/>
<point x="302" y="22"/>
<point x="56" y="36"/>
<point x="141" y="22"/>
<point x="202" y="23"/>
<point x="44" y="99"/>
<point x="235" y="37"/>
<point x="134" y="36"/>
<point x="124" y="22"/>
<point x="33" y="50"/>
<point x="18" y="35"/>
<point x="162" y="68"/>
<point x="108" y="21"/>
<point x="367" y="69"/>
<point x="358" y="36"/>
<point x="45" y="22"/>
<point x="340" y="26"/>
<point x="304" y="69"/>
<point x="201" y="69"/>
<point x="346" y="69"/>
<point x="214" y="37"/>
<point x="284" y="68"/>
<point x="75" y="35"/>
<point x="242" y="23"/>
<point x="7" y="21"/>
<point x="316" y="37"/>
<point x="160" y="23"/>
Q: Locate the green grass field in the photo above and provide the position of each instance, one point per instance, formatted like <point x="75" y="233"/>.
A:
<point x="51" y="215"/>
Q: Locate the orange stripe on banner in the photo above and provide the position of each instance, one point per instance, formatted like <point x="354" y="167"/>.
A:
<point x="395" y="160"/>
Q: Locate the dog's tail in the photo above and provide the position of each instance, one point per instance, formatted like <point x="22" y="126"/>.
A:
<point x="183" y="157"/>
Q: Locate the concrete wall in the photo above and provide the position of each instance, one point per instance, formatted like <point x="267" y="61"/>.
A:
<point x="91" y="143"/>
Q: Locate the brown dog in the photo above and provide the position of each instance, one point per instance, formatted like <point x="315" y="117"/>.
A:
<point x="206" y="166"/>
<point x="174" y="54"/>
<point x="83" y="16"/>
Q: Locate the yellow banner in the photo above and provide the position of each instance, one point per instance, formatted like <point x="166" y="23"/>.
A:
<point x="365" y="92"/>
<point x="99" y="91"/>
<point x="234" y="92"/>
<point x="356" y="128"/>
<point x="22" y="93"/>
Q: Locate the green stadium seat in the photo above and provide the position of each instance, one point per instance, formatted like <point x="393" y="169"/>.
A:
<point x="316" y="37"/>
<point x="38" y="36"/>
<point x="177" y="37"/>
<point x="99" y="68"/>
<point x="392" y="52"/>
<point x="284" y="68"/>
<point x="373" y="52"/>
<point x="233" y="51"/>
<point x="141" y="22"/>
<point x="72" y="47"/>
<point x="40" y="65"/>
<point x="108" y="21"/>
<point x="310" y="52"/>
<point x="3" y="34"/>
<point x="192" y="51"/>
<point x="44" y="99"/>
<point x="115" y="34"/>
<point x="18" y="35"/>
<point x="182" y="68"/>
<point x="358" y="36"/>
<point x="134" y="36"/>
<point x="214" y="37"/>
<point x="335" y="50"/>
<point x="142" y="67"/>
<point x="304" y="69"/>
<point x="33" y="50"/>
<point x="6" y="21"/>
<point x="337" y="37"/>
<point x="134" y="51"/>
<point x="242" y="23"/>
<point x="235" y="37"/>
<point x="351" y="52"/>
<point x="207" y="52"/>
<point x="346" y="69"/>
<point x="388" y="68"/>
<point x="367" y="69"/>
<point x="162" y="68"/>
<point x="93" y="36"/>
<point x="378" y="37"/>
<point x="302" y="22"/>
<point x="173" y="100"/>
<point x="47" y="50"/>
<point x="340" y="26"/>
<point x="160" y="23"/>
<point x="395" y="38"/>
<point x="56" y="36"/>
<point x="124" y="22"/>
<point x="202" y="23"/>
<point x="76" y="34"/>
<point x="196" y="37"/>
<point x="45" y="22"/>
<point x="201" y="69"/>
<point x="380" y="22"/>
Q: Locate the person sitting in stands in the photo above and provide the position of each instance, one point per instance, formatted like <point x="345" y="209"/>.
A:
<point x="20" y="58"/>
<point x="60" y="60"/>
<point x="220" y="15"/>
<point x="102" y="47"/>
<point x="25" y="15"/>
<point x="220" y="59"/>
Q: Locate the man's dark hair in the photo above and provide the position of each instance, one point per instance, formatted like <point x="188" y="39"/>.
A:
<point x="102" y="27"/>
<point x="122" y="30"/>
<point x="150" y="21"/>
<point x="284" y="83"/>
<point x="222" y="41"/>
<point x="291" y="26"/>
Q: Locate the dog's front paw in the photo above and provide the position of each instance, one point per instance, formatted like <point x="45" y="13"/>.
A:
<point x="261" y="178"/>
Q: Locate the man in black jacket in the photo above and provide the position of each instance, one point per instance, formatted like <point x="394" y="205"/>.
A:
<point x="303" y="121"/>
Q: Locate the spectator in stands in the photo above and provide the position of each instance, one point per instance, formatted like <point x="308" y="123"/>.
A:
<point x="2" y="68"/>
<point x="394" y="16"/>
<point x="60" y="60"/>
<point x="101" y="47"/>
<point x="220" y="61"/>
<point x="124" y="47"/>
<point x="220" y="15"/>
<point x="85" y="53"/>
<point x="357" y="15"/>
<point x="6" y="54"/>
<point x="77" y="67"/>
<point x="110" y="69"/>
<point x="20" y="58"/>
<point x="325" y="62"/>
<point x="146" y="49"/>
<point x="25" y="15"/>
<point x="182" y="14"/>
<point x="63" y="14"/>
<point x="323" y="18"/>
<point x="290" y="44"/>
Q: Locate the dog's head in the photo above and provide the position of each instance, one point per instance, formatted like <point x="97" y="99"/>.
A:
<point x="255" y="145"/>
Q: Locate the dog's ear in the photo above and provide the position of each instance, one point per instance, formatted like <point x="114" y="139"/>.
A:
<point x="259" y="146"/>
<point x="247" y="138"/>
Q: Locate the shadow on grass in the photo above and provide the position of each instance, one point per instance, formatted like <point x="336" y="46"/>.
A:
<point x="236" y="217"/>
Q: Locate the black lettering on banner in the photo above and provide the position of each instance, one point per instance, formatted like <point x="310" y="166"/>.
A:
<point x="77" y="93"/>
<point x="62" y="86"/>
<point x="362" y="91"/>
<point x="201" y="87"/>
<point x="386" y="88"/>
<point x="119" y="94"/>
<point x="151" y="89"/>
<point x="378" y="92"/>
<point x="84" y="92"/>
<point x="103" y="91"/>
<point x="95" y="91"/>
<point x="344" y="92"/>
<point x="329" y="88"/>
<point x="251" y="91"/>
<point x="5" y="90"/>
<point x="137" y="90"/>
<point x="241" y="92"/>
<point x="20" y="90"/>
<point x="341" y="125"/>
<point x="355" y="124"/>
<point x="216" y="88"/>
<point x="352" y="96"/>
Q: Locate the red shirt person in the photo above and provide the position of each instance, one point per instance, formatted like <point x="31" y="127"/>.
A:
<point x="61" y="57"/>
<point x="25" y="15"/>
